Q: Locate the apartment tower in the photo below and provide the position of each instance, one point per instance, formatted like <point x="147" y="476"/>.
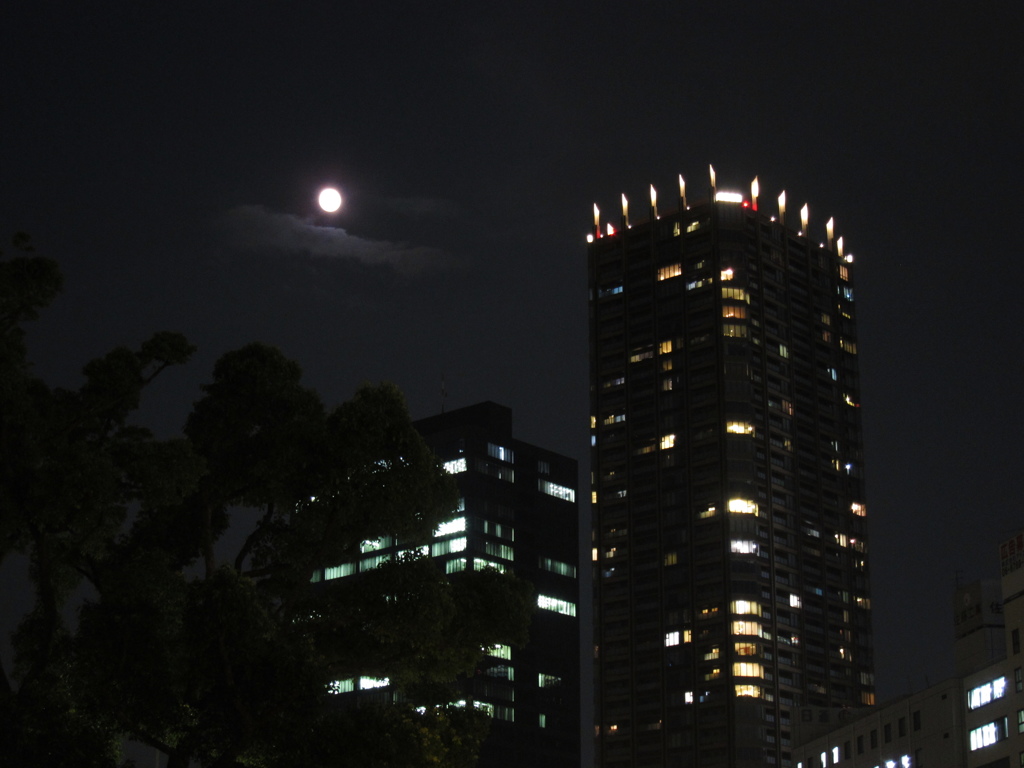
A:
<point x="729" y="529"/>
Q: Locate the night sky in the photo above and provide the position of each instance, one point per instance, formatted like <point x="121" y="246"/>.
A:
<point x="169" y="156"/>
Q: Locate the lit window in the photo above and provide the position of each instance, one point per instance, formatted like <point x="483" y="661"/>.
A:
<point x="743" y="506"/>
<point x="705" y="513"/>
<point x="504" y="551"/>
<point x="985" y="693"/>
<point x="502" y="672"/>
<point x="542" y="720"/>
<point x="747" y="628"/>
<point x="988" y="734"/>
<point x="746" y="669"/>
<point x="480" y="564"/>
<point x="339" y="570"/>
<point x="556" y="490"/>
<point x="673" y="270"/>
<point x="548" y="681"/>
<point x="341" y="686"/>
<point x="668" y="441"/>
<point x="693" y="226"/>
<point x="500" y="453"/>
<point x="563" y="607"/>
<point x="458" y="525"/>
<point x="446" y="547"/>
<point x="727" y="274"/>
<point x="783" y="350"/>
<point x="742" y="607"/>
<point x="671" y="558"/>
<point x="369" y="683"/>
<point x="794" y="601"/>
<point x="665" y="347"/>
<point x="745" y="649"/>
<point x="672" y="638"/>
<point x="455" y="566"/>
<point x="370" y="563"/>
<point x="645" y="354"/>
<point x="610" y="290"/>
<point x="699" y="282"/>
<point x="500" y="652"/>
<point x="848" y="346"/>
<point x="614" y="418"/>
<point x="734" y="311"/>
<point x="455" y="466"/>
<point x="740" y="294"/>
<point x="734" y="330"/>
<point x="739" y="427"/>
<point x="858" y="509"/>
<point x="557" y="566"/>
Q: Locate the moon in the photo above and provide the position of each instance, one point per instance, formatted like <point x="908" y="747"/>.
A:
<point x="330" y="199"/>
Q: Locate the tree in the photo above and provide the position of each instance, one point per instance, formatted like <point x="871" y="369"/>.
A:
<point x="204" y="634"/>
<point x="71" y="466"/>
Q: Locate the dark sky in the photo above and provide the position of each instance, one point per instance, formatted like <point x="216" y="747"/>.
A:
<point x="169" y="156"/>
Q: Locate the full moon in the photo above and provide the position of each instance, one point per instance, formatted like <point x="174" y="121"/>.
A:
<point x="330" y="200"/>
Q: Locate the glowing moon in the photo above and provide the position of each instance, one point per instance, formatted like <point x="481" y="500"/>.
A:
<point x="330" y="200"/>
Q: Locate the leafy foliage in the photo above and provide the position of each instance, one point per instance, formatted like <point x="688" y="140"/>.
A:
<point x="201" y="631"/>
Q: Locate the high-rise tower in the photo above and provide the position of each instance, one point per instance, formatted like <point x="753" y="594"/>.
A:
<point x="729" y="532"/>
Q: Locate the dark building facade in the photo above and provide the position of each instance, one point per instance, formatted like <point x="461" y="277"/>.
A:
<point x="517" y="513"/>
<point x="729" y="529"/>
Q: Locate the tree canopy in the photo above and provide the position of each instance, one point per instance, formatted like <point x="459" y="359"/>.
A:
<point x="174" y="594"/>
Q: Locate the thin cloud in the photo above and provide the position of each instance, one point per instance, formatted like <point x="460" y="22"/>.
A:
<point x="257" y="229"/>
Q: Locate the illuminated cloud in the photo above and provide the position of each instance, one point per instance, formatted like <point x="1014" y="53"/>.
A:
<point x="256" y="229"/>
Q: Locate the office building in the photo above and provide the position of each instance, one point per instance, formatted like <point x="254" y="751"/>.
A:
<point x="974" y="720"/>
<point x="518" y="512"/>
<point x="729" y="521"/>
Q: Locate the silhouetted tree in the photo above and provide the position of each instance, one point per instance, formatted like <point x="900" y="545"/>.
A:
<point x="202" y="633"/>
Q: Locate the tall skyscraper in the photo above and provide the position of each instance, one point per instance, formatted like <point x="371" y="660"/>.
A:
<point x="729" y="534"/>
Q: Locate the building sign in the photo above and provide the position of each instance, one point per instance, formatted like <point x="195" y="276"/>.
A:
<point x="1011" y="554"/>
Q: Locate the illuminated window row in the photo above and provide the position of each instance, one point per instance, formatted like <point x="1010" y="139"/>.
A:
<point x="677" y="636"/>
<point x="986" y="693"/>
<point x="455" y="466"/>
<point x="500" y="453"/>
<point x="480" y="564"/>
<point x="362" y="683"/>
<point x="557" y="605"/>
<point x="556" y="490"/>
<point x="672" y="270"/>
<point x="988" y="734"/>
<point x="457" y="525"/>
<point x="557" y="566"/>
<point x="504" y="551"/>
